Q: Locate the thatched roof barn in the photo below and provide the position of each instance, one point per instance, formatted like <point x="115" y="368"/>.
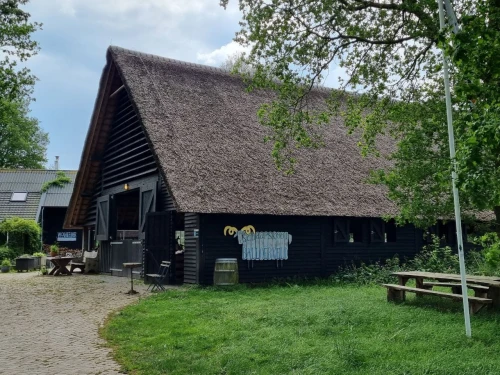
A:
<point x="186" y="138"/>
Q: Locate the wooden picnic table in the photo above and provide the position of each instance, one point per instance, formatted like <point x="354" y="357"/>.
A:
<point x="60" y="264"/>
<point x="492" y="283"/>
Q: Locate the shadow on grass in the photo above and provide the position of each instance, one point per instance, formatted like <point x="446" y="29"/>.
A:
<point x="448" y="307"/>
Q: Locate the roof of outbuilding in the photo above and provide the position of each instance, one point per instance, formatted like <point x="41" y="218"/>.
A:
<point x="203" y="127"/>
<point x="31" y="181"/>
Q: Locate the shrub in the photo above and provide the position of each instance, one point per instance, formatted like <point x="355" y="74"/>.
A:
<point x="7" y="253"/>
<point x="24" y="234"/>
<point x="488" y="260"/>
<point x="435" y="258"/>
<point x="363" y="273"/>
<point x="432" y="258"/>
<point x="6" y="263"/>
<point x="39" y="254"/>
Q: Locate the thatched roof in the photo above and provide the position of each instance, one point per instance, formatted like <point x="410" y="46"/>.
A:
<point x="210" y="148"/>
<point x="204" y="129"/>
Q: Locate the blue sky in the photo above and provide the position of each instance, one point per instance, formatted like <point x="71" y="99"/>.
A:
<point x="73" y="45"/>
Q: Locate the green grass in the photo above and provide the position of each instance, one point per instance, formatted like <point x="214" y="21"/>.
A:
<point x="301" y="330"/>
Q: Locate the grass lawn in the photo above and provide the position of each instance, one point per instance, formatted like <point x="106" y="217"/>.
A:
<point x="301" y="330"/>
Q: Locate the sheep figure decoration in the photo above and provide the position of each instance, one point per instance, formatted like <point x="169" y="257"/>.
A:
<point x="261" y="245"/>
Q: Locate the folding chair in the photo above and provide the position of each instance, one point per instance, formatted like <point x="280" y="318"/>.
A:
<point x="159" y="277"/>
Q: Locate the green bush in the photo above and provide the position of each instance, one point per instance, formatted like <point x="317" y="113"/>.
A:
<point x="432" y="258"/>
<point x="435" y="258"/>
<point x="24" y="235"/>
<point x="363" y="274"/>
<point x="39" y="254"/>
<point x="7" y="253"/>
<point x="487" y="261"/>
<point x="6" y="263"/>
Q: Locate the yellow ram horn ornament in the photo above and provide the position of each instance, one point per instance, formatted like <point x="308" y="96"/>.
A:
<point x="230" y="230"/>
<point x="248" y="229"/>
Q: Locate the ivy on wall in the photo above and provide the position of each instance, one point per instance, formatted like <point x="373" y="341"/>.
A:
<point x="59" y="181"/>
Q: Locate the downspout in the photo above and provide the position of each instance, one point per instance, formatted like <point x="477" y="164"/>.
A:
<point x="41" y="232"/>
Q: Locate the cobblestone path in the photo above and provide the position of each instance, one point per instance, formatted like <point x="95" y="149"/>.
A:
<point x="49" y="325"/>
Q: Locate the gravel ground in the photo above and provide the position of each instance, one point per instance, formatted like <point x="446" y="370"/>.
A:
<point x="49" y="325"/>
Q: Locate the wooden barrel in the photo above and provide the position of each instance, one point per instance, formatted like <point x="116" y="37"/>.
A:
<point x="226" y="271"/>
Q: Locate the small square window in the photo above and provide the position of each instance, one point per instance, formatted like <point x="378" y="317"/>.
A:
<point x="356" y="230"/>
<point x="18" y="197"/>
<point x="390" y="231"/>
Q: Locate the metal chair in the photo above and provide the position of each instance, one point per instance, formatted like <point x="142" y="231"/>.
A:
<point x="158" y="278"/>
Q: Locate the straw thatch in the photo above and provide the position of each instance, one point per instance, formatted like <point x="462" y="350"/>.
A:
<point x="203" y="128"/>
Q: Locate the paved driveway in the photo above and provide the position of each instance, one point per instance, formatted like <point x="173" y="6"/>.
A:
<point x="49" y="325"/>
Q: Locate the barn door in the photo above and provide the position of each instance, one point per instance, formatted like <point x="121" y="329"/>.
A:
<point x="102" y="225"/>
<point x="377" y="230"/>
<point x="341" y="230"/>
<point x="147" y="204"/>
<point x="158" y="243"/>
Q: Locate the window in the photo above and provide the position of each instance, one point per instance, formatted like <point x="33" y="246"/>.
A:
<point x="390" y="231"/>
<point x="356" y="230"/>
<point x="179" y="238"/>
<point x="18" y="197"/>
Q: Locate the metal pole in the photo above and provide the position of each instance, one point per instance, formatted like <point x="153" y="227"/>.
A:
<point x="458" y="218"/>
<point x="41" y="233"/>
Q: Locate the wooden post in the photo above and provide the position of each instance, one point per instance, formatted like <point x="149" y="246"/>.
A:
<point x="419" y="283"/>
<point x="494" y="294"/>
<point x="394" y="295"/>
<point x="402" y="280"/>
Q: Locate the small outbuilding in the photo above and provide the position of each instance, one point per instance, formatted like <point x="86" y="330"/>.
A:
<point x="24" y="193"/>
<point x="175" y="159"/>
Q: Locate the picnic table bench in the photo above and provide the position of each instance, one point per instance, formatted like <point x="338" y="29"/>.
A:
<point x="397" y="293"/>
<point x="486" y="288"/>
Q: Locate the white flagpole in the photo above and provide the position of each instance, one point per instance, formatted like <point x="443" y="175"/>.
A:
<point x="458" y="219"/>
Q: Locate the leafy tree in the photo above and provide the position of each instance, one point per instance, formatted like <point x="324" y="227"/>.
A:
<point x="22" y="142"/>
<point x="390" y="53"/>
<point x="16" y="46"/>
<point x="235" y="63"/>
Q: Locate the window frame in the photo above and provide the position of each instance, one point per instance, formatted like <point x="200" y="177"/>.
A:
<point x="12" y="196"/>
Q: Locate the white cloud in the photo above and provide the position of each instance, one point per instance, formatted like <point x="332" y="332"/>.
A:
<point x="74" y="39"/>
<point x="219" y="55"/>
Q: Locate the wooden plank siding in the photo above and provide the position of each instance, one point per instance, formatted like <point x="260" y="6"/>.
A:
<point x="165" y="201"/>
<point x="127" y="156"/>
<point x="312" y="253"/>
<point x="408" y="243"/>
<point x="192" y="253"/>
<point x="304" y="253"/>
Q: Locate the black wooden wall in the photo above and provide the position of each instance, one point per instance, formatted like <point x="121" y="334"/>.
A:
<point x="127" y="157"/>
<point x="192" y="250"/>
<point x="165" y="202"/>
<point x="312" y="253"/>
<point x="53" y="219"/>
